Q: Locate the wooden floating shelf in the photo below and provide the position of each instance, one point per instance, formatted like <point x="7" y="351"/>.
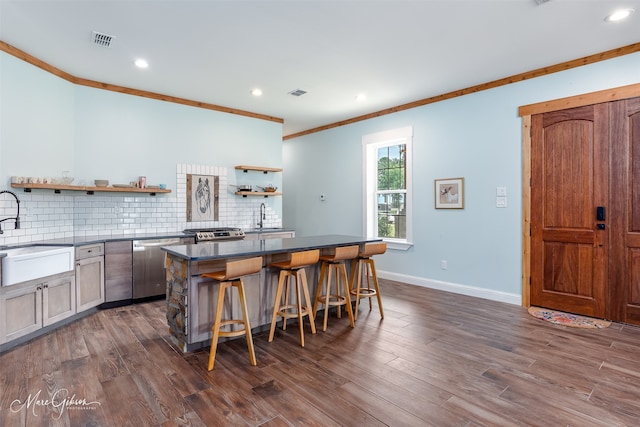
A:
<point x="258" y="168"/>
<point x="258" y="193"/>
<point x="90" y="189"/>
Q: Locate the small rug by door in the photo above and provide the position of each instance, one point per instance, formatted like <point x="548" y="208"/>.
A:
<point x="568" y="319"/>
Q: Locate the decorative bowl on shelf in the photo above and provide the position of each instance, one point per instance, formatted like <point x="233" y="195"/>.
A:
<point x="65" y="180"/>
<point x="101" y="182"/>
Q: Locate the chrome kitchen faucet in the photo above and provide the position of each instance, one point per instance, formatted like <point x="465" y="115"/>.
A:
<point x="263" y="215"/>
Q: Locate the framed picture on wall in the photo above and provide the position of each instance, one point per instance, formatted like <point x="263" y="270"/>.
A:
<point x="202" y="197"/>
<point x="449" y="193"/>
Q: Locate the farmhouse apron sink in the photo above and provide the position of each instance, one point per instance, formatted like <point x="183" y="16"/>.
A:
<point x="32" y="262"/>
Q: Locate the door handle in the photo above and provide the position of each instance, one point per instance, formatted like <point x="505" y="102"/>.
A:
<point x="600" y="213"/>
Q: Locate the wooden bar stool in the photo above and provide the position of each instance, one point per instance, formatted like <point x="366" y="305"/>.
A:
<point x="365" y="262"/>
<point x="293" y="269"/>
<point x="231" y="276"/>
<point x="330" y="263"/>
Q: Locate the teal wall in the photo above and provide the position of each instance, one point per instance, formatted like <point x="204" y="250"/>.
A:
<point x="36" y="121"/>
<point x="477" y="137"/>
<point x="135" y="136"/>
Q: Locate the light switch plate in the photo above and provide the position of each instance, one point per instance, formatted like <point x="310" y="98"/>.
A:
<point x="501" y="191"/>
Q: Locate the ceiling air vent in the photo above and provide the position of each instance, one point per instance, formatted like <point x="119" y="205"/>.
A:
<point x="297" y="92"/>
<point x="101" y="39"/>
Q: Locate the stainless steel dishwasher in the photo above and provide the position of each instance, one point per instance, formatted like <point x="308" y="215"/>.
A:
<point x="149" y="278"/>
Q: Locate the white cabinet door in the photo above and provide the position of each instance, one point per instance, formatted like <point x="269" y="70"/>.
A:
<point x="21" y="311"/>
<point x="58" y="299"/>
<point x="89" y="282"/>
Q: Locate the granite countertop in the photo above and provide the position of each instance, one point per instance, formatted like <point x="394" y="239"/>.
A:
<point x="242" y="248"/>
<point x="86" y="240"/>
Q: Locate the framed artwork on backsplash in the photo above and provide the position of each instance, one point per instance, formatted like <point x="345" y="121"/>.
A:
<point x="202" y="197"/>
<point x="449" y="193"/>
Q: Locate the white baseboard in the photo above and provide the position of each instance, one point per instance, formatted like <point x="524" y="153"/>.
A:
<point x="453" y="287"/>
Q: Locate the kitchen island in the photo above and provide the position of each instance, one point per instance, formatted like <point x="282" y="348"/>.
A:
<point x="191" y="299"/>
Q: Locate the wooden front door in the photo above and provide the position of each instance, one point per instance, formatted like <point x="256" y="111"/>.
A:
<point x="624" y="266"/>
<point x="569" y="181"/>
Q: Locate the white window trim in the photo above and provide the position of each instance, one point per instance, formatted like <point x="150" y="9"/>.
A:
<point x="370" y="145"/>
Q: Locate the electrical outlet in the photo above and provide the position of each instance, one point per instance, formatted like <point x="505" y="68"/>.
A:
<point x="443" y="264"/>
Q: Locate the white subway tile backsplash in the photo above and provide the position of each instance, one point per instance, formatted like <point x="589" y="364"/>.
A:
<point x="52" y="216"/>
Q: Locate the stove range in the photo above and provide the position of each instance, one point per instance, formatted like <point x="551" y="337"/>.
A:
<point x="216" y="234"/>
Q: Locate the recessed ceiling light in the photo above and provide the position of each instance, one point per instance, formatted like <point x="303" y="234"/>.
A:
<point x="141" y="63"/>
<point x="256" y="92"/>
<point x="619" y="15"/>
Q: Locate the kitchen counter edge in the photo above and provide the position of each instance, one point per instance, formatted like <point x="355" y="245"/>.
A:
<point x="244" y="248"/>
<point x="87" y="240"/>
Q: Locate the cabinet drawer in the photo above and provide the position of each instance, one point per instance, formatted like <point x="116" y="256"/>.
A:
<point x="88" y="251"/>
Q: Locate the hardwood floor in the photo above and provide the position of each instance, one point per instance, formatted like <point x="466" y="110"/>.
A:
<point x="436" y="359"/>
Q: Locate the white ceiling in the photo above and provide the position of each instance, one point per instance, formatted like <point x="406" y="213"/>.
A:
<point x="394" y="51"/>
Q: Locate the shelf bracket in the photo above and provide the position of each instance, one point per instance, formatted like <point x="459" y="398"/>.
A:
<point x="56" y="191"/>
<point x="27" y="190"/>
<point x="90" y="193"/>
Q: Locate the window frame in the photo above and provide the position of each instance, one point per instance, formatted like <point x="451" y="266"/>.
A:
<point x="371" y="143"/>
